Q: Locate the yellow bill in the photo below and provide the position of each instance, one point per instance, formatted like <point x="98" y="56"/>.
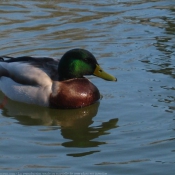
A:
<point x="99" y="72"/>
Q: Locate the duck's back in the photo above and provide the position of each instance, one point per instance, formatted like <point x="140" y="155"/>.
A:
<point x="28" y="79"/>
<point x="30" y="70"/>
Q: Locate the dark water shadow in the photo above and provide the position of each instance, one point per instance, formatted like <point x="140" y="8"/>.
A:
<point x="74" y="124"/>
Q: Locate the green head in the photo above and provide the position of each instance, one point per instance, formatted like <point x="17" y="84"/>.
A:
<point x="79" y="62"/>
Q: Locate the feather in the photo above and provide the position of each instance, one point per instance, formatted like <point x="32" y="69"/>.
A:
<point x="30" y="70"/>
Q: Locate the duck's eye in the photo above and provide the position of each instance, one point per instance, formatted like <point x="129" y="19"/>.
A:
<point x="100" y="70"/>
<point x="86" y="60"/>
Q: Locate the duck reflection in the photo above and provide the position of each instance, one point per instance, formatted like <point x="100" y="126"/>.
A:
<point x="35" y="115"/>
<point x="74" y="124"/>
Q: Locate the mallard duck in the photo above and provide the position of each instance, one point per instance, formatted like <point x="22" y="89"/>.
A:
<point x="51" y="82"/>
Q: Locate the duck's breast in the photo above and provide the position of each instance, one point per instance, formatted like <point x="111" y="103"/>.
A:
<point x="74" y="93"/>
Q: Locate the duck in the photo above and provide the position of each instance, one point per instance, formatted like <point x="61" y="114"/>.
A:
<point x="51" y="82"/>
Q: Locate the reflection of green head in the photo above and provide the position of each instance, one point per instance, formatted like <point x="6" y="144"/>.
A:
<point x="76" y="63"/>
<point x="79" y="62"/>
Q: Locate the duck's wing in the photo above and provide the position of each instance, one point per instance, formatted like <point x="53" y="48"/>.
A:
<point x="29" y="70"/>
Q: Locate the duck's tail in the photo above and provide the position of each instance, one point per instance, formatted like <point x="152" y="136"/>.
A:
<point x="1" y="59"/>
<point x="5" y="58"/>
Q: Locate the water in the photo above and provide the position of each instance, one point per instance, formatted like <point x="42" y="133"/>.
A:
<point x="131" y="130"/>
